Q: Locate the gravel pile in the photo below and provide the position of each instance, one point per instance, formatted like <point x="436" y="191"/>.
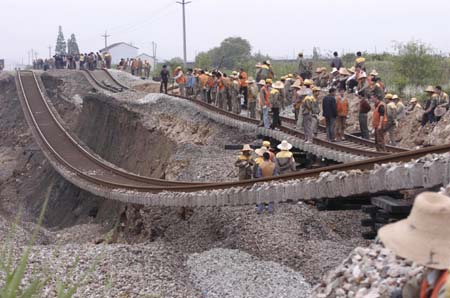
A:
<point x="150" y="270"/>
<point x="367" y="272"/>
<point x="232" y="273"/>
<point x="126" y="78"/>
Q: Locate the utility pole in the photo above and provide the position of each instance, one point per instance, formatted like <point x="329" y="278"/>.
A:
<point x="105" y="36"/>
<point x="154" y="46"/>
<point x="49" y="51"/>
<point x="184" y="3"/>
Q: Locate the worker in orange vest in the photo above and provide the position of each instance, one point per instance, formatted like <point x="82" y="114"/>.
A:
<point x="423" y="238"/>
<point x="180" y="79"/>
<point x="243" y="77"/>
<point x="264" y="101"/>
<point x="379" y="122"/>
<point x="342" y="113"/>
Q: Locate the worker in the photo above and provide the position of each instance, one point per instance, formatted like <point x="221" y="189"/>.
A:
<point x="401" y="109"/>
<point x="284" y="160"/>
<point x="243" y="77"/>
<point x="108" y="59"/>
<point x="360" y="61"/>
<point x="336" y="62"/>
<point x="180" y="79"/>
<point x="227" y="92"/>
<point x="235" y="92"/>
<point x="302" y="67"/>
<point x="221" y="92"/>
<point x="342" y="114"/>
<point x="245" y="163"/>
<point x="266" y="169"/>
<point x="424" y="239"/>
<point x="315" y="110"/>
<point x="203" y="79"/>
<point x="329" y="107"/>
<point x="252" y="97"/>
<point x="276" y="102"/>
<point x="413" y="106"/>
<point x="297" y="98"/>
<point x="306" y="111"/>
<point x="287" y="88"/>
<point x="430" y="105"/>
<point x="269" y="149"/>
<point x="379" y="122"/>
<point x="391" y="114"/>
<point x="259" y="159"/>
<point x="442" y="103"/>
<point x="164" y="74"/>
<point x="265" y="101"/>
<point x="364" y="108"/>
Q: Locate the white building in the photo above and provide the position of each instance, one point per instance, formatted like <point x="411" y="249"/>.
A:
<point x="121" y="50"/>
<point x="147" y="57"/>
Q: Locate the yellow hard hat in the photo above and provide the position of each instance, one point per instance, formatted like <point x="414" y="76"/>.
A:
<point x="388" y="96"/>
<point x="268" y="81"/>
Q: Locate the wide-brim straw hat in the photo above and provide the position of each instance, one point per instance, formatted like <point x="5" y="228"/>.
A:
<point x="319" y="70"/>
<point x="308" y="82"/>
<point x="278" y="85"/>
<point x="284" y="146"/>
<point x="395" y="97"/>
<point x="351" y="69"/>
<point x="430" y="89"/>
<point x="262" y="82"/>
<point x="388" y="96"/>
<point x="250" y="80"/>
<point x="423" y="237"/>
<point x="315" y="88"/>
<point x="261" y="151"/>
<point x="413" y="100"/>
<point x="362" y="75"/>
<point x="246" y="147"/>
<point x="334" y="70"/>
<point x="343" y="71"/>
<point x="266" y="144"/>
<point x="439" y="111"/>
<point x="297" y="84"/>
<point x="267" y="62"/>
<point x="374" y="73"/>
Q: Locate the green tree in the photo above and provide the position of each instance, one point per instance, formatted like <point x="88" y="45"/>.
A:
<point x="203" y="60"/>
<point x="418" y="64"/>
<point x="72" y="46"/>
<point x="60" y="43"/>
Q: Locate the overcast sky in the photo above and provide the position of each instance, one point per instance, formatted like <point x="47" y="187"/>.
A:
<point x="277" y="28"/>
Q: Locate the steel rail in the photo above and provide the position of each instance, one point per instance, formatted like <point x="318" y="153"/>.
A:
<point x="193" y="187"/>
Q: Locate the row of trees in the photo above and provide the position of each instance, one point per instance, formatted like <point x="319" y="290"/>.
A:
<point x="69" y="48"/>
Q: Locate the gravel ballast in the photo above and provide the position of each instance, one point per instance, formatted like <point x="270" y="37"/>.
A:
<point x="233" y="273"/>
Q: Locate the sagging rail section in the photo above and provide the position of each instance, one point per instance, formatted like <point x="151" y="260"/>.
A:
<point x="92" y="174"/>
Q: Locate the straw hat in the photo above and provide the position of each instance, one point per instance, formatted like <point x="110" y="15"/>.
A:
<point x="297" y="84"/>
<point x="261" y="151"/>
<point x="283" y="78"/>
<point x="423" y="237"/>
<point x="278" y="85"/>
<point x="319" y="70"/>
<point x="268" y="81"/>
<point x="413" y="100"/>
<point x="395" y="97"/>
<point x="315" y="88"/>
<point x="258" y="65"/>
<point x="308" y="82"/>
<point x="324" y="69"/>
<point x="234" y="73"/>
<point x="267" y="62"/>
<point x="250" y="80"/>
<point x="262" y="82"/>
<point x="290" y="75"/>
<point x="374" y="73"/>
<point x="351" y="69"/>
<point x="388" y="96"/>
<point x="430" y="89"/>
<point x="343" y="71"/>
<point x="246" y="147"/>
<point x="178" y="67"/>
<point x="285" y="146"/>
<point x="334" y="70"/>
<point x="266" y="144"/>
<point x="362" y="75"/>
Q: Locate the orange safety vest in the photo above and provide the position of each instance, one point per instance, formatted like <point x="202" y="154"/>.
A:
<point x="376" y="116"/>
<point x="220" y="84"/>
<point x="439" y="284"/>
<point x="266" y="95"/>
<point x="342" y="106"/>
<point x="181" y="80"/>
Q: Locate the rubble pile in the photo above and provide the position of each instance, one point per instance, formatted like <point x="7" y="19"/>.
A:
<point x="373" y="272"/>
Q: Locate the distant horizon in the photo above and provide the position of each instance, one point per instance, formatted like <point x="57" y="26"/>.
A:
<point x="346" y="25"/>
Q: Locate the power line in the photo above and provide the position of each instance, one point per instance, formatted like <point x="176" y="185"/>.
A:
<point x="183" y="4"/>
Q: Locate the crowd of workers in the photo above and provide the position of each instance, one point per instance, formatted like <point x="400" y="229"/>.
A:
<point x="89" y="61"/>
<point x="261" y="95"/>
<point x="137" y="67"/>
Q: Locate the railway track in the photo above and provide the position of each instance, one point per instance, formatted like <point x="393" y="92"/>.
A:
<point x="352" y="145"/>
<point x="95" y="175"/>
